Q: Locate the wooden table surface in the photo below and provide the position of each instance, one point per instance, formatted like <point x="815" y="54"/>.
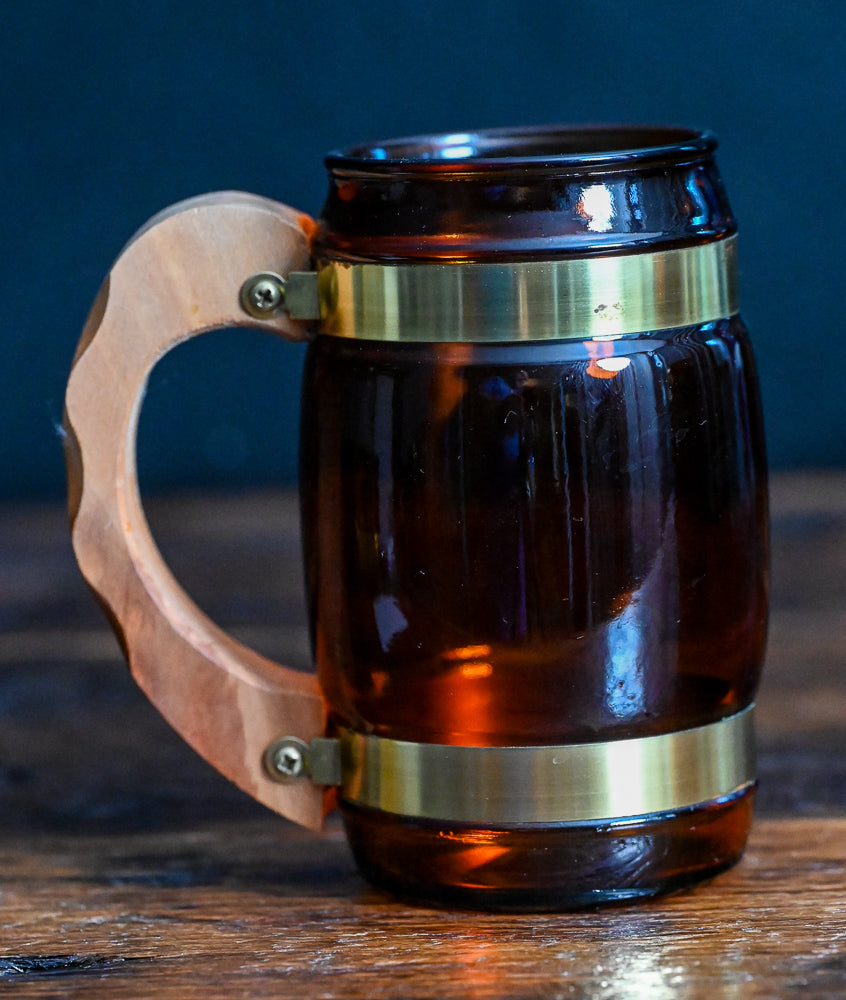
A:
<point x="129" y="869"/>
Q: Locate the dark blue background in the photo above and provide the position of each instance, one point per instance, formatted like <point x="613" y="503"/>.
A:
<point x="113" y="110"/>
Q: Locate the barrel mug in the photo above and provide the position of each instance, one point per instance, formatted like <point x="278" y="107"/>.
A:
<point x="533" y="498"/>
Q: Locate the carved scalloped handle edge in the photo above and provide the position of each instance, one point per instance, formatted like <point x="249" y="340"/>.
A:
<point x="178" y="277"/>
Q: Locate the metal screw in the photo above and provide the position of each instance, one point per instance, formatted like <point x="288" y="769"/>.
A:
<point x="263" y="294"/>
<point x="285" y="760"/>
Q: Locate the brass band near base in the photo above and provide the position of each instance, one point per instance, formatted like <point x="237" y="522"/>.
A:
<point x="574" y="783"/>
<point x="568" y="298"/>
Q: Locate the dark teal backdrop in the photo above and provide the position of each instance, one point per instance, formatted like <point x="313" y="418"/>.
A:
<point x="113" y="110"/>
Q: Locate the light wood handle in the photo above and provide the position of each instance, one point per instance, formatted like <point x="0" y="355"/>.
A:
<point x="178" y="277"/>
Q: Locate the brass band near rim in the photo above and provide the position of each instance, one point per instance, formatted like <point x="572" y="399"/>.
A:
<point x="569" y="298"/>
<point x="575" y="783"/>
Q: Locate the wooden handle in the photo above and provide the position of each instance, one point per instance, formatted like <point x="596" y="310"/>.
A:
<point x="178" y="277"/>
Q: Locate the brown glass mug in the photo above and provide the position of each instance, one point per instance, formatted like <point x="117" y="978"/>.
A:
<point x="534" y="509"/>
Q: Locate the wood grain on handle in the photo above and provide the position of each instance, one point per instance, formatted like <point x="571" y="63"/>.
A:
<point x="181" y="276"/>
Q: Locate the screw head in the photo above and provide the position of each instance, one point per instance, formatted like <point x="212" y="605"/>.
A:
<point x="263" y="294"/>
<point x="285" y="760"/>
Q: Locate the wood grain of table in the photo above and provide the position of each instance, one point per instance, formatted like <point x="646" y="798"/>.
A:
<point x="128" y="868"/>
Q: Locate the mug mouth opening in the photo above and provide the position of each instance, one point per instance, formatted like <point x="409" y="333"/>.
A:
<point x="562" y="147"/>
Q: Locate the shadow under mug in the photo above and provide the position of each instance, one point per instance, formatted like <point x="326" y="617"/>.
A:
<point x="534" y="509"/>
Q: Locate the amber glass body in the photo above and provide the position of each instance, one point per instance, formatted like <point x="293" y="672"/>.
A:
<point x="534" y="543"/>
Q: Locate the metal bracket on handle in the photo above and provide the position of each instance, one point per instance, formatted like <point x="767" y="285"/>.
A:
<point x="267" y="293"/>
<point x="290" y="759"/>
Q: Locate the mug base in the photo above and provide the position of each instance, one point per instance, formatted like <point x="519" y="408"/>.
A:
<point x="549" y="868"/>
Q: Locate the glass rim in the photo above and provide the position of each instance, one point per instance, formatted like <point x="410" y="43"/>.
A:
<point x="569" y="148"/>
